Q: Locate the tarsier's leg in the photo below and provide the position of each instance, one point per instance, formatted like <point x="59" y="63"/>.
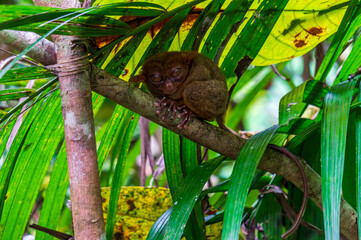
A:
<point x="207" y="99"/>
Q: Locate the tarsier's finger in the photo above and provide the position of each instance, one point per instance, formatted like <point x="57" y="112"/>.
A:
<point x="162" y="101"/>
<point x="174" y="111"/>
<point x="186" y="115"/>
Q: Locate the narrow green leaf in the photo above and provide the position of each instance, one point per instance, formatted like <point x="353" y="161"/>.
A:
<point x="165" y="36"/>
<point x="6" y="173"/>
<point x="30" y="169"/>
<point x="55" y="195"/>
<point x="189" y="155"/>
<point x="349" y="179"/>
<point x="352" y="63"/>
<point x="189" y="162"/>
<point x="241" y="178"/>
<point x="350" y="22"/>
<point x="127" y="127"/>
<point x="15" y="93"/>
<point x="358" y="165"/>
<point x="232" y="15"/>
<point x="120" y="60"/>
<point x="270" y="214"/>
<point x="9" y="154"/>
<point x="58" y="184"/>
<point x="201" y="25"/>
<point x="294" y="103"/>
<point x="187" y="196"/>
<point x="31" y="97"/>
<point x="255" y="29"/>
<point x="146" y="26"/>
<point x="333" y="143"/>
<point x="10" y="65"/>
<point x="13" y="20"/>
<point x="173" y="167"/>
<point x="111" y="131"/>
<point x="26" y="73"/>
<point x="5" y="130"/>
<point x="158" y="229"/>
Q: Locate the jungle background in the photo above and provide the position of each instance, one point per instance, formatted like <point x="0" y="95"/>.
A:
<point x="294" y="68"/>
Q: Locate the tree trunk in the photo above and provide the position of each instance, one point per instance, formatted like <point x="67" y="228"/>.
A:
<point x="73" y="73"/>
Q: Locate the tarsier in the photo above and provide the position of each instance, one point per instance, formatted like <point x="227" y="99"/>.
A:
<point x="188" y="82"/>
<point x="194" y="85"/>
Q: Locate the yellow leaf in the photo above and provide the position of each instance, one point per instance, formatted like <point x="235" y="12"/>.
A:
<point x="301" y="26"/>
<point x="138" y="209"/>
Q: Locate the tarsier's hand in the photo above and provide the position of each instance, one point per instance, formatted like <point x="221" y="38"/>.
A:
<point x="163" y="103"/>
<point x="186" y="114"/>
<point x="172" y="107"/>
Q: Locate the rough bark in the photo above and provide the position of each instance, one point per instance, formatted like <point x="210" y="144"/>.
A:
<point x="218" y="140"/>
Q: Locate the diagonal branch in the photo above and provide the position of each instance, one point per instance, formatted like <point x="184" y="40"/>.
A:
<point x="217" y="139"/>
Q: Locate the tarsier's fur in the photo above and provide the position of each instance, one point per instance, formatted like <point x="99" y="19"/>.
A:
<point x="202" y="87"/>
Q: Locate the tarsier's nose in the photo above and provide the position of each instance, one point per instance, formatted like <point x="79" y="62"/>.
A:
<point x="169" y="85"/>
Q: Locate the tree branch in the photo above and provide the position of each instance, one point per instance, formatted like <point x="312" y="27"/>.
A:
<point x="18" y="41"/>
<point x="217" y="140"/>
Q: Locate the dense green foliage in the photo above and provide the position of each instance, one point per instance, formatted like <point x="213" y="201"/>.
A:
<point x="317" y="119"/>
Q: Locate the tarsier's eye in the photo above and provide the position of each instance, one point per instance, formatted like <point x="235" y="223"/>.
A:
<point x="177" y="72"/>
<point x="156" y="77"/>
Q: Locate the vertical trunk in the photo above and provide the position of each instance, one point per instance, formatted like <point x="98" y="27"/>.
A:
<point x="75" y="90"/>
<point x="77" y="111"/>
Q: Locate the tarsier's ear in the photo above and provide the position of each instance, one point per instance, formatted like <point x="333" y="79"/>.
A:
<point x="190" y="56"/>
<point x="137" y="79"/>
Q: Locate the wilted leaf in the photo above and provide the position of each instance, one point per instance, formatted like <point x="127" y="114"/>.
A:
<point x="138" y="209"/>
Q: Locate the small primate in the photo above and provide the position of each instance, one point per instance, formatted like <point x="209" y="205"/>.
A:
<point x="193" y="84"/>
<point x="188" y="82"/>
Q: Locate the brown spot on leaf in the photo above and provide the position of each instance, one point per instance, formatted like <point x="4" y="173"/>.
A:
<point x="118" y="235"/>
<point x="316" y="31"/>
<point x="189" y="21"/>
<point x="125" y="72"/>
<point x="99" y="42"/>
<point x="131" y="205"/>
<point x="134" y="22"/>
<point x="299" y="43"/>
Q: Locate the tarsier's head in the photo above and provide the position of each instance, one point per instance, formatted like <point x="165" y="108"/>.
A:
<point x="164" y="73"/>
